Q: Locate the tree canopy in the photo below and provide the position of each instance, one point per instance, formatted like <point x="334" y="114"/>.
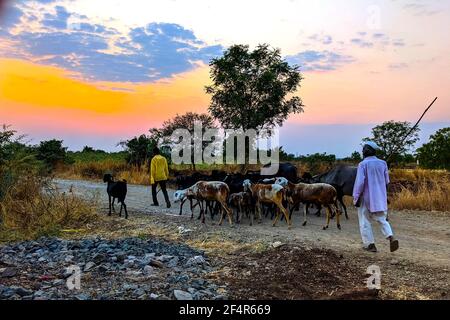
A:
<point x="436" y="153"/>
<point x="186" y="121"/>
<point x="138" y="149"/>
<point x="250" y="89"/>
<point x="51" y="153"/>
<point x="390" y="136"/>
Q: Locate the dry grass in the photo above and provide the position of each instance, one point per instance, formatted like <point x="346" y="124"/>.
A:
<point x="427" y="196"/>
<point x="135" y="176"/>
<point x="420" y="189"/>
<point x="33" y="208"/>
<point x="419" y="175"/>
<point x="91" y="169"/>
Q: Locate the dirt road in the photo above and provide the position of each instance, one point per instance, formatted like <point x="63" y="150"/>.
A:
<point x="424" y="237"/>
<point x="419" y="269"/>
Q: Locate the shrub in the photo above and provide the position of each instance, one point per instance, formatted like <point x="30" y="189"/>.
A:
<point x="33" y="207"/>
<point x="51" y="153"/>
<point x="29" y="205"/>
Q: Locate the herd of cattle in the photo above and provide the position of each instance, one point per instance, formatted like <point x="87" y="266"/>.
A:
<point x="254" y="194"/>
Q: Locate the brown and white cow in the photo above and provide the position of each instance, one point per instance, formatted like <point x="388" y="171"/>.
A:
<point x="268" y="193"/>
<point x="319" y="193"/>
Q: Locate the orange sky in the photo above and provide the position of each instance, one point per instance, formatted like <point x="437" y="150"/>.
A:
<point x="29" y="91"/>
<point x="343" y="96"/>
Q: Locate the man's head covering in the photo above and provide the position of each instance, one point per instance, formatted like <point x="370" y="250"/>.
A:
<point x="372" y="144"/>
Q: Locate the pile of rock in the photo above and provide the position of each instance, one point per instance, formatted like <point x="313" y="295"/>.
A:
<point x="130" y="268"/>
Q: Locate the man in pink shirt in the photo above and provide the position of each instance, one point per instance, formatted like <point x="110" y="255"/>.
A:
<point x="370" y="196"/>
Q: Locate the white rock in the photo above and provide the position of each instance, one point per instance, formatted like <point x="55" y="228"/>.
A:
<point x="89" y="266"/>
<point x="183" y="230"/>
<point x="196" y="261"/>
<point x="182" y="295"/>
<point x="153" y="296"/>
<point x="148" y="270"/>
<point x="277" y="244"/>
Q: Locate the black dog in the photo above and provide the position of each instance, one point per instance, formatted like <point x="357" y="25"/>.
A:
<point x="116" y="189"/>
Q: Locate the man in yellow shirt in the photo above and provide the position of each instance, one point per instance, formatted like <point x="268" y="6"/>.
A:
<point x="159" y="173"/>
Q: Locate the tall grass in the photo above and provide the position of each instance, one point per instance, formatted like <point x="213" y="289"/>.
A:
<point x="91" y="169"/>
<point x="135" y="175"/>
<point x="32" y="207"/>
<point x="420" y="189"/>
<point x="419" y="175"/>
<point x="434" y="197"/>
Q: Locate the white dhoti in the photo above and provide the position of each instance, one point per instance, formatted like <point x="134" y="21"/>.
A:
<point x="365" y="226"/>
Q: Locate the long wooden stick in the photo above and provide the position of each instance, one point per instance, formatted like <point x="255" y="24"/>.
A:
<point x="411" y="130"/>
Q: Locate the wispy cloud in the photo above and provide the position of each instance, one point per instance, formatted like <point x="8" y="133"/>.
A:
<point x="397" y="66"/>
<point x="361" y="43"/>
<point x="320" y="38"/>
<point x="421" y="9"/>
<point x="312" y="60"/>
<point x="375" y="40"/>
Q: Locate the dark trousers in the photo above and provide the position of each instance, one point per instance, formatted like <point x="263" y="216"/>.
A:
<point x="162" y="184"/>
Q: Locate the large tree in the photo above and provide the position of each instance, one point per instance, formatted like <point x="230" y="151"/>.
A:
<point x="139" y="149"/>
<point x="251" y="89"/>
<point x="436" y="153"/>
<point x="395" y="138"/>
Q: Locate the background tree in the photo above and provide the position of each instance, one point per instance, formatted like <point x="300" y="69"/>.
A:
<point x="52" y="153"/>
<point x="355" y="157"/>
<point x="284" y="156"/>
<point x="318" y="162"/>
<point x="6" y="140"/>
<point x="138" y="149"/>
<point x="88" y="149"/>
<point x="390" y="137"/>
<point x="436" y="153"/>
<point x="16" y="159"/>
<point x="185" y="121"/>
<point x="251" y="89"/>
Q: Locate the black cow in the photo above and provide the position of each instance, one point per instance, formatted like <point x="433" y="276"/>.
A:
<point x="217" y="175"/>
<point x="235" y="180"/>
<point x="286" y="170"/>
<point x="185" y="181"/>
<point x="342" y="178"/>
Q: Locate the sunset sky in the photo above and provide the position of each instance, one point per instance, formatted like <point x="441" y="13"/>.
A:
<point x="94" y="72"/>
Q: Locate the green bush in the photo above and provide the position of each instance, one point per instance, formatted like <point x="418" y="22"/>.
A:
<point x="52" y="153"/>
<point x="30" y="206"/>
<point x="436" y="153"/>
